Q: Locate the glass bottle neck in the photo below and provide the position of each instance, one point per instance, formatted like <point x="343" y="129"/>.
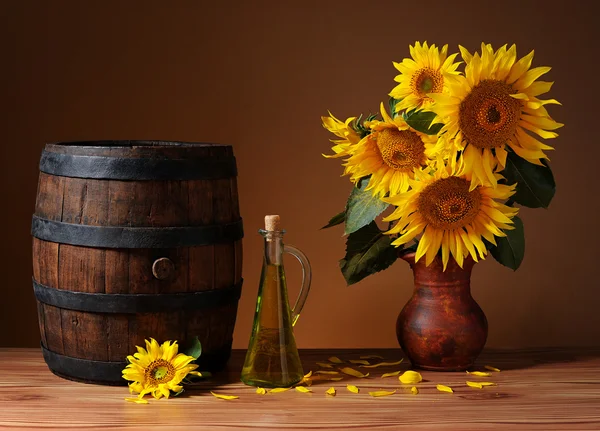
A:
<point x="273" y="241"/>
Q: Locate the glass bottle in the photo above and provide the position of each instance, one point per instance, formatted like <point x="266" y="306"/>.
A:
<point x="272" y="359"/>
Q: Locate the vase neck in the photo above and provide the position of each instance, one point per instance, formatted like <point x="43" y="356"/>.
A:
<point x="454" y="277"/>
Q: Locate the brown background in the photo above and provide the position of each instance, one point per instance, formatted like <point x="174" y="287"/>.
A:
<point x="259" y="75"/>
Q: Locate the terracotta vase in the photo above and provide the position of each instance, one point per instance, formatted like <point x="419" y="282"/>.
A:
<point x="441" y="328"/>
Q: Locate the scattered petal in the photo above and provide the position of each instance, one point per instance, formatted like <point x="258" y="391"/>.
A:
<point x="381" y="393"/>
<point x="335" y="360"/>
<point x="487" y="384"/>
<point x="414" y="390"/>
<point x="136" y="400"/>
<point x="383" y="364"/>
<point x="475" y="385"/>
<point x="352" y="389"/>
<point x="334" y="379"/>
<point x="395" y="373"/>
<point x="324" y="365"/>
<point x="444" y="388"/>
<point x="353" y="372"/>
<point x="307" y="375"/>
<point x="372" y="357"/>
<point x="261" y="391"/>
<point x="303" y="389"/>
<point x="490" y="368"/>
<point x="479" y="373"/>
<point x="410" y="377"/>
<point x="326" y="372"/>
<point x="330" y="391"/>
<point x="224" y="397"/>
<point x="359" y="361"/>
<point x="277" y="390"/>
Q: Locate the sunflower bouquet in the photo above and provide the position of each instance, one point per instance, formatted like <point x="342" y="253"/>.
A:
<point x="453" y="153"/>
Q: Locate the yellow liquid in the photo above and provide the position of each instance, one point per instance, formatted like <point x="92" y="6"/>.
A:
<point x="272" y="359"/>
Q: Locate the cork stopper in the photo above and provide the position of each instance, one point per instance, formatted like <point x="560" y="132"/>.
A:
<point x="272" y="223"/>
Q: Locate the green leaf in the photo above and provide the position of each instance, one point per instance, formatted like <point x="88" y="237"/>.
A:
<point x="335" y="220"/>
<point x="359" y="127"/>
<point x="535" y="184"/>
<point x="392" y="103"/>
<point x="368" y="251"/>
<point x="179" y="393"/>
<point x="192" y="378"/>
<point x="421" y="121"/>
<point x="362" y="207"/>
<point x="510" y="250"/>
<point x="195" y="349"/>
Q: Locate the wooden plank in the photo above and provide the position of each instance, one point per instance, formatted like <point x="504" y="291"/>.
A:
<point x="49" y="203"/>
<point x="117" y="275"/>
<point x="81" y="269"/>
<point x="154" y="203"/>
<point x="536" y="390"/>
<point x="226" y="209"/>
<point x="42" y="322"/>
<point x="238" y="261"/>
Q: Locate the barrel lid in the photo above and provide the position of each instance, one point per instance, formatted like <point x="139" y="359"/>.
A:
<point x="141" y="149"/>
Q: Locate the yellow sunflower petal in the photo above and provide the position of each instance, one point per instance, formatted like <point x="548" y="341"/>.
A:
<point x="303" y="389"/>
<point x="353" y="389"/>
<point x="335" y="360"/>
<point x="410" y="377"/>
<point x="479" y="373"/>
<point x="224" y="397"/>
<point x="330" y="391"/>
<point x="490" y="368"/>
<point x="324" y="365"/>
<point x="261" y="391"/>
<point x="395" y="373"/>
<point x="353" y="372"/>
<point x="381" y="393"/>
<point x="384" y="364"/>
<point x="444" y="388"/>
<point x="136" y="400"/>
<point x="414" y="390"/>
<point x="359" y="361"/>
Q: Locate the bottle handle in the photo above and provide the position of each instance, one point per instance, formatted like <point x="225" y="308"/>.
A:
<point x="306" y="280"/>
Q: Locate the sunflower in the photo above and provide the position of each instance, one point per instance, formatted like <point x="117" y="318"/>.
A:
<point x="451" y="216"/>
<point x="429" y="71"/>
<point x="158" y="369"/>
<point x="389" y="154"/>
<point x="343" y="130"/>
<point x="493" y="106"/>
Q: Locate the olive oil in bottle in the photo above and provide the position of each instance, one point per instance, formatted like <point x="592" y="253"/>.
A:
<point x="272" y="359"/>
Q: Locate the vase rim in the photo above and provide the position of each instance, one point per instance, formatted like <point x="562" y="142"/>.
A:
<point x="410" y="258"/>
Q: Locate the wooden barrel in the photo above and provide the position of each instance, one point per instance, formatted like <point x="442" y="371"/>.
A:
<point x="132" y="240"/>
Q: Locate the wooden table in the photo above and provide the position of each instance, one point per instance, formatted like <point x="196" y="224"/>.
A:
<point x="536" y="390"/>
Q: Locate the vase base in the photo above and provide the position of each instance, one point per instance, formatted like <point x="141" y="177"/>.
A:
<point x="441" y="368"/>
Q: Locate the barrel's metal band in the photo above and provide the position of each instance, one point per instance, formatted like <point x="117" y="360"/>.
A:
<point x="135" y="237"/>
<point x="111" y="372"/>
<point x="132" y="169"/>
<point x="136" y="303"/>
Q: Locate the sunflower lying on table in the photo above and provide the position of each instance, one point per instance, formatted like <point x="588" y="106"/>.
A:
<point x="159" y="369"/>
<point x="454" y="154"/>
